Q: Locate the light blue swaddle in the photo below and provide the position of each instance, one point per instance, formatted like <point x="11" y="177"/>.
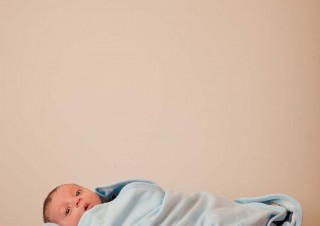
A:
<point x="143" y="203"/>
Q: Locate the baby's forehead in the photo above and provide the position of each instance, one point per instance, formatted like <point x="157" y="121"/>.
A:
<point x="65" y="188"/>
<point x="69" y="186"/>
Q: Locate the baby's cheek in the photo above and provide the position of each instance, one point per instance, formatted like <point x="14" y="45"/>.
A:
<point x="77" y="215"/>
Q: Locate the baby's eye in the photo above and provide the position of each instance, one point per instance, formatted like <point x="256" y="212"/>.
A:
<point x="67" y="211"/>
<point x="78" y="193"/>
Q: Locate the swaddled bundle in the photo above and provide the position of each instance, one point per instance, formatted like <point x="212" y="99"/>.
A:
<point x="143" y="203"/>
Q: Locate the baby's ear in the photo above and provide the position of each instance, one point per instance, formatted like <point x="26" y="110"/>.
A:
<point x="50" y="224"/>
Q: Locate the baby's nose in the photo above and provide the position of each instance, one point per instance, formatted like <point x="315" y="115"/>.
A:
<point x="78" y="201"/>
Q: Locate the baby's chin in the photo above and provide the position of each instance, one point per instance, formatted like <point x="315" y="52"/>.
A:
<point x="87" y="207"/>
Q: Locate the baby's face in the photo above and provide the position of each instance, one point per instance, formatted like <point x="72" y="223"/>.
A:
<point x="69" y="203"/>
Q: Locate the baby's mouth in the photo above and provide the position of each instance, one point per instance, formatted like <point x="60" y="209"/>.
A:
<point x="86" y="207"/>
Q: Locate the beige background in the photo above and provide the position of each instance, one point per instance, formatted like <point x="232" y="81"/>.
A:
<point x="219" y="96"/>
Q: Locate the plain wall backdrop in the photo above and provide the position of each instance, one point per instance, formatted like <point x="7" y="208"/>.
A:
<point x="206" y="95"/>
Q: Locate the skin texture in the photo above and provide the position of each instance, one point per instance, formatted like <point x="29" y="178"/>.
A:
<point x="69" y="203"/>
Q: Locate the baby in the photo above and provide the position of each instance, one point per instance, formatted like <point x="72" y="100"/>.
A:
<point x="143" y="203"/>
<point x="66" y="204"/>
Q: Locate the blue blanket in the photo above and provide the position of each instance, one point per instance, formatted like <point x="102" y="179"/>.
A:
<point x="143" y="203"/>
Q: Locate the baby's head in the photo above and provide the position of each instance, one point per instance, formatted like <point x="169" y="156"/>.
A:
<point x="66" y="204"/>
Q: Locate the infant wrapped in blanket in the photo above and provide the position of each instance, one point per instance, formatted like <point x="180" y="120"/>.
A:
<point x="143" y="203"/>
